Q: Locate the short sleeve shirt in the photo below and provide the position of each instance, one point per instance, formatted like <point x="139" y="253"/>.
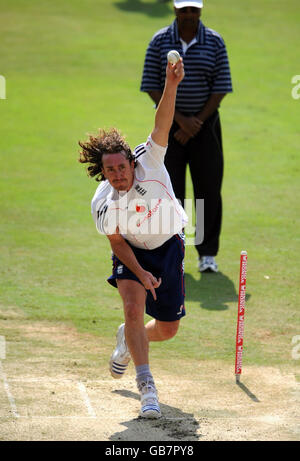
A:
<point x="148" y="214"/>
<point x="206" y="66"/>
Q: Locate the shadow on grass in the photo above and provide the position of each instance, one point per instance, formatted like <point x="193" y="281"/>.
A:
<point x="212" y="291"/>
<point x="174" y="424"/>
<point x="158" y="8"/>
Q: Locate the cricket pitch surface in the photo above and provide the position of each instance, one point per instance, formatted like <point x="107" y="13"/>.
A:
<point x="55" y="385"/>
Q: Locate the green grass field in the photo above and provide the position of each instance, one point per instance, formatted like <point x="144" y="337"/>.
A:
<point x="73" y="66"/>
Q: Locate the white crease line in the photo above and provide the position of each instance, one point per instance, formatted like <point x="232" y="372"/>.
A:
<point x="116" y="418"/>
<point x="46" y="380"/>
<point x="162" y="419"/>
<point x="8" y="393"/>
<point x="86" y="399"/>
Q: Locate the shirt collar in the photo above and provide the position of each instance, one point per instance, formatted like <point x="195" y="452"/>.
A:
<point x="199" y="35"/>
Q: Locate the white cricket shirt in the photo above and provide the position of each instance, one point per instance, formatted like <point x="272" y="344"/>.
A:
<point x="148" y="214"/>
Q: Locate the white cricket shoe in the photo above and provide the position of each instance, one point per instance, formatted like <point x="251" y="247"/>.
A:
<point x="149" y="402"/>
<point x="207" y="264"/>
<point x="121" y="356"/>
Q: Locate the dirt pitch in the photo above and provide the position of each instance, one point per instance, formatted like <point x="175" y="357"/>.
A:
<point x="54" y="385"/>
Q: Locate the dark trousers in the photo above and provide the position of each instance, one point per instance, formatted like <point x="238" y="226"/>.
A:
<point x="204" y="155"/>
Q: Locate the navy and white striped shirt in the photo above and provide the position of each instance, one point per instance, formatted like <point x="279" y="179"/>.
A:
<point x="206" y="66"/>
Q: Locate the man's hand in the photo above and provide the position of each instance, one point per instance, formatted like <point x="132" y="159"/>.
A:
<point x="150" y="282"/>
<point x="190" y="125"/>
<point x="182" y="137"/>
<point x="165" y="111"/>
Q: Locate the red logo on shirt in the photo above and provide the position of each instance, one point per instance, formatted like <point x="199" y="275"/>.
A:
<point x="140" y="208"/>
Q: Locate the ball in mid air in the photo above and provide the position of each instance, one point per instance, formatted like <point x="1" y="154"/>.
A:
<point x="173" y="56"/>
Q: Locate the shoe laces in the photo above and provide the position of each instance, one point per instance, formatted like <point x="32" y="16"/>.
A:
<point x="146" y="387"/>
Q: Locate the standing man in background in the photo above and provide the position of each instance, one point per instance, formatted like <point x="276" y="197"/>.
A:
<point x="195" y="137"/>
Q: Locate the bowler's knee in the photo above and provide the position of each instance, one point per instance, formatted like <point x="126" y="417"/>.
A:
<point x="133" y="312"/>
<point x="168" y="329"/>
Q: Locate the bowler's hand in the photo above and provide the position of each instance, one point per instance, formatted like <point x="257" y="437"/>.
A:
<point x="175" y="72"/>
<point x="150" y="282"/>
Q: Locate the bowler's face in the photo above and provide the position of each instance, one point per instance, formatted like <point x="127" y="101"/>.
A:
<point x="118" y="170"/>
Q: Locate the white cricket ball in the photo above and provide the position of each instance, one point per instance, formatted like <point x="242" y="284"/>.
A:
<point x="173" y="56"/>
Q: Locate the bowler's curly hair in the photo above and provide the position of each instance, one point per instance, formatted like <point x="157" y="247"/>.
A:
<point x="106" y="142"/>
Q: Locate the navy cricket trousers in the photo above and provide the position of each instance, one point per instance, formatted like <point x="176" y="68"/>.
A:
<point x="204" y="155"/>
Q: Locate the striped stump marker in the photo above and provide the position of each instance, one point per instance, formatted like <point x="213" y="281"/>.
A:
<point x="241" y="316"/>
